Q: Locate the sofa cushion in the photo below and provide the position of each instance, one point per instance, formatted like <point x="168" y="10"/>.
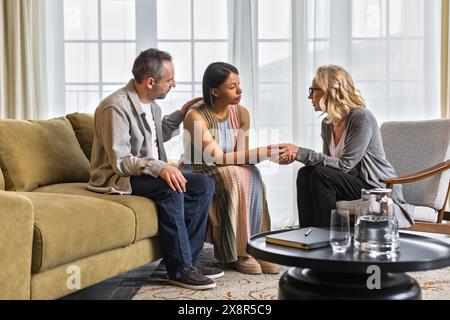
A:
<point x="68" y="228"/>
<point x="144" y="209"/>
<point x="83" y="125"/>
<point x="38" y="153"/>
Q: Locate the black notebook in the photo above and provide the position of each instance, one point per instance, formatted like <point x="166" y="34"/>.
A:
<point x="306" y="238"/>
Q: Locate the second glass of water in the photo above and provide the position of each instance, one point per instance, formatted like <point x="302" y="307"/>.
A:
<point x="340" y="237"/>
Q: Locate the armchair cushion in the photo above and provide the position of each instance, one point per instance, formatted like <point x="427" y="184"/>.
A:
<point x="412" y="146"/>
<point x="39" y="153"/>
<point x="424" y="214"/>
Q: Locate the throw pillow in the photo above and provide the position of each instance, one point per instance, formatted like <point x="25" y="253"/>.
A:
<point x="39" y="153"/>
<point x="83" y="125"/>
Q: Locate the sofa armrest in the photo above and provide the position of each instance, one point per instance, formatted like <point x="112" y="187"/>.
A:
<point x="16" y="241"/>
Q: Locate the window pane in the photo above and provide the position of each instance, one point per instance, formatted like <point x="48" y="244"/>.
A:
<point x="376" y="96"/>
<point x="81" y="19"/>
<point x="181" y="53"/>
<point x="176" y="98"/>
<point x="207" y="53"/>
<point x="198" y="90"/>
<point x="174" y="101"/>
<point x="81" y="62"/>
<point x="274" y="19"/>
<point x="406" y="59"/>
<point x="274" y="105"/>
<point x="406" y="18"/>
<point x="275" y="61"/>
<point x="405" y="94"/>
<point x="118" y="20"/>
<point x="319" y="55"/>
<point x="175" y="19"/>
<point x="364" y="51"/>
<point x="118" y="59"/>
<point x="318" y="25"/>
<point x="108" y="89"/>
<point x="210" y="19"/>
<point x="369" y="18"/>
<point x="83" y="99"/>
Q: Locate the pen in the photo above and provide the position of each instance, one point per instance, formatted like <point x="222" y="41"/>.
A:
<point x="308" y="232"/>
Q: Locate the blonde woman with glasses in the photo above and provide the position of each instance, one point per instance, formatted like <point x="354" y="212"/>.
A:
<point x="352" y="158"/>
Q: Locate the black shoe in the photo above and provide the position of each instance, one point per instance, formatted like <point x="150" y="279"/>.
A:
<point x="193" y="279"/>
<point x="209" y="270"/>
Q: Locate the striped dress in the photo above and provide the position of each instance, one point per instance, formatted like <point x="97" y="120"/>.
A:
<point x="239" y="209"/>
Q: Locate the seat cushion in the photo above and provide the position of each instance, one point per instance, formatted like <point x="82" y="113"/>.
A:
<point x="83" y="125"/>
<point x="2" y="180"/>
<point x="144" y="210"/>
<point x="68" y="228"/>
<point x="425" y="214"/>
<point x="39" y="153"/>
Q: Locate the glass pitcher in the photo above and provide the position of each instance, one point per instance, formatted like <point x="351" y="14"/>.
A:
<point x="376" y="226"/>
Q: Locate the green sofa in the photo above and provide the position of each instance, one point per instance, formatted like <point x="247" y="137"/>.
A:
<point x="51" y="228"/>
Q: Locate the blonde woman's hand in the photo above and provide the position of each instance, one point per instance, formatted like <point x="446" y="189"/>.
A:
<point x="288" y="153"/>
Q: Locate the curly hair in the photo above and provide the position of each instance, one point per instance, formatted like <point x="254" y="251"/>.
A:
<point x="340" y="95"/>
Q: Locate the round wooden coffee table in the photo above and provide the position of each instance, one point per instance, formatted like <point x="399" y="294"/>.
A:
<point x="322" y="274"/>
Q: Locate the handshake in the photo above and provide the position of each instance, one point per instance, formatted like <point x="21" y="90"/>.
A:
<point x="283" y="154"/>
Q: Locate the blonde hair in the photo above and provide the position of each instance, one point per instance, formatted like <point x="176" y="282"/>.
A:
<point x="340" y="95"/>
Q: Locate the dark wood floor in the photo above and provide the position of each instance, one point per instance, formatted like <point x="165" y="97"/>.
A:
<point x="123" y="287"/>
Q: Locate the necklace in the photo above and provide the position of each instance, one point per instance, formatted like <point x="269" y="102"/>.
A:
<point x="222" y="119"/>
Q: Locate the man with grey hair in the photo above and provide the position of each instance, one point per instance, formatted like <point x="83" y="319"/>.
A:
<point x="128" y="157"/>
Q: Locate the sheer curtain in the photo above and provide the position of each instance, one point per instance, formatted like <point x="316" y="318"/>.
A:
<point x="391" y="47"/>
<point x="21" y="69"/>
<point x="32" y="59"/>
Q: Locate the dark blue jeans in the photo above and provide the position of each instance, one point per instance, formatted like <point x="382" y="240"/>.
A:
<point x="182" y="217"/>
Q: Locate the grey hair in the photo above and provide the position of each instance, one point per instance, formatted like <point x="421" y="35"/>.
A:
<point x="149" y="63"/>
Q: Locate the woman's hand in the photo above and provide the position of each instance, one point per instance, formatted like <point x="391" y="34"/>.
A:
<point x="288" y="153"/>
<point x="188" y="105"/>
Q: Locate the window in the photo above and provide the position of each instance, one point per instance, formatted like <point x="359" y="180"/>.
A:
<point x="391" y="34"/>
<point x="100" y="46"/>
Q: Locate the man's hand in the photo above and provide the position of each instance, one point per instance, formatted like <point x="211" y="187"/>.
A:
<point x="288" y="153"/>
<point x="174" y="179"/>
<point x="188" y="105"/>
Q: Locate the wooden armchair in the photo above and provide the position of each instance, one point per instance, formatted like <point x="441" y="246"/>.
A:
<point x="422" y="147"/>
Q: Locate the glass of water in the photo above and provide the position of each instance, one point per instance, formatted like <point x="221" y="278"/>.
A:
<point x="340" y="237"/>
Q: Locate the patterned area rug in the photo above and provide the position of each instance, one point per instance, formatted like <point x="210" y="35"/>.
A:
<point x="435" y="285"/>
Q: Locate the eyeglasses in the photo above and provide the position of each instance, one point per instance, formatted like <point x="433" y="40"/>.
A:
<point x="311" y="90"/>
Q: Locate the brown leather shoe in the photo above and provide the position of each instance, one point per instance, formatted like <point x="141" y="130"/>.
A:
<point x="248" y="265"/>
<point x="268" y="267"/>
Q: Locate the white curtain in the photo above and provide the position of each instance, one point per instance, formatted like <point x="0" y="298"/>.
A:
<point x="31" y="72"/>
<point x="21" y="66"/>
<point x="391" y="47"/>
